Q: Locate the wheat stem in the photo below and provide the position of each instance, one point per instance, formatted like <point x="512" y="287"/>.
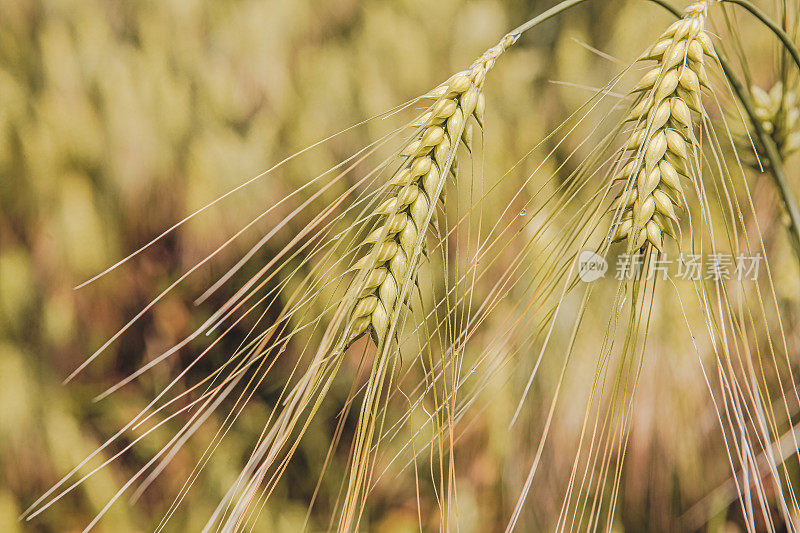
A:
<point x="555" y="10"/>
<point x="666" y="5"/>
<point x="787" y="41"/>
<point x="771" y="151"/>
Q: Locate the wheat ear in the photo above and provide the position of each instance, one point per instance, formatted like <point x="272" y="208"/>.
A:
<point x="658" y="146"/>
<point x="779" y="113"/>
<point x="427" y="158"/>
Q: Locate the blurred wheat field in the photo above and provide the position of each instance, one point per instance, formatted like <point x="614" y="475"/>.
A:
<point x="119" y="119"/>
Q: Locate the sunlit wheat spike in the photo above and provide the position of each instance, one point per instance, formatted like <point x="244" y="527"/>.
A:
<point x="404" y="214"/>
<point x="659" y="145"/>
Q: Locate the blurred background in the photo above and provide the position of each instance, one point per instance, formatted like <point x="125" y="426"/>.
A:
<point x="117" y="119"/>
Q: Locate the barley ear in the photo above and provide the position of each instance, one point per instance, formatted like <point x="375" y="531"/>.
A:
<point x="428" y="158"/>
<point x="658" y="149"/>
<point x="779" y="114"/>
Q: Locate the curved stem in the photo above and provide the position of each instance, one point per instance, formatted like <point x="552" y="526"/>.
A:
<point x="666" y="5"/>
<point x="772" y="153"/>
<point x="553" y="11"/>
<point x="787" y="41"/>
<point x="566" y="4"/>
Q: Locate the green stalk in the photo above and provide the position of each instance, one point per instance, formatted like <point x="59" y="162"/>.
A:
<point x="566" y="4"/>
<point x="773" y="155"/>
<point x="553" y="11"/>
<point x="787" y="41"/>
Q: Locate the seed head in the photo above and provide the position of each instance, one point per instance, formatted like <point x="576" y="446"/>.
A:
<point x="658" y="147"/>
<point x="405" y="213"/>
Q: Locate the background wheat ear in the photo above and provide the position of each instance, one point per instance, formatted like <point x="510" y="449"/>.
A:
<point x="779" y="112"/>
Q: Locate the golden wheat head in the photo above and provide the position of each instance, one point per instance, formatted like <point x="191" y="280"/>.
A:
<point x="427" y="158"/>
<point x="658" y="145"/>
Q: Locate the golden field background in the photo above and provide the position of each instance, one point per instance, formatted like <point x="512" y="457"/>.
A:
<point x="117" y="119"/>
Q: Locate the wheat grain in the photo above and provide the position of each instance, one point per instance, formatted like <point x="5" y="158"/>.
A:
<point x="404" y="214"/>
<point x="658" y="146"/>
